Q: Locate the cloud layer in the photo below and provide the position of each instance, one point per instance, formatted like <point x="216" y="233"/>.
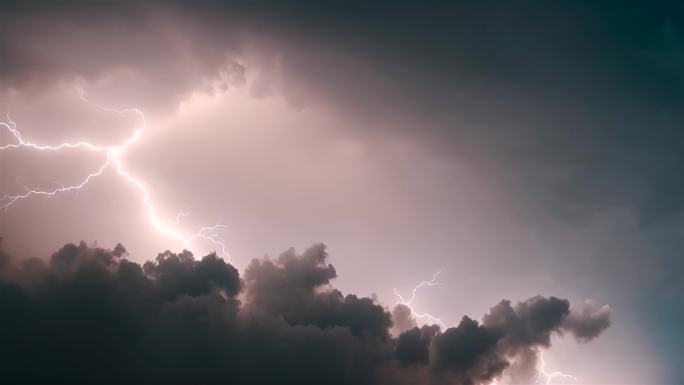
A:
<point x="536" y="145"/>
<point x="89" y="315"/>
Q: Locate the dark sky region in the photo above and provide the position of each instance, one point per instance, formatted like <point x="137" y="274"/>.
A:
<point x="533" y="151"/>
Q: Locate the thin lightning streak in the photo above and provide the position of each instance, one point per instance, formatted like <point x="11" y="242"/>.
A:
<point x="7" y="200"/>
<point x="430" y="318"/>
<point x="550" y="376"/>
<point x="544" y="377"/>
<point x="112" y="157"/>
<point x="11" y="126"/>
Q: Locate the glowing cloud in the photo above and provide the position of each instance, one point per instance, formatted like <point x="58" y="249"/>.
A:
<point x="546" y="377"/>
<point x="112" y="157"/>
<point x="408" y="303"/>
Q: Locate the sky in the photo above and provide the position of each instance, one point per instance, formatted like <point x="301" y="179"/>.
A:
<point x="521" y="149"/>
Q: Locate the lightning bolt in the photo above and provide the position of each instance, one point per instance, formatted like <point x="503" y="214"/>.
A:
<point x="408" y="303"/>
<point x="545" y="377"/>
<point x="112" y="158"/>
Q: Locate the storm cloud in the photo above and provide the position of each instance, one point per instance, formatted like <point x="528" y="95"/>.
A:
<point x="565" y="132"/>
<point x="528" y="147"/>
<point x="91" y="315"/>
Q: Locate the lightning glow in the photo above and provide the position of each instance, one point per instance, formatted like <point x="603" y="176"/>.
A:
<point x="545" y="377"/>
<point x="408" y="303"/>
<point x="112" y="157"/>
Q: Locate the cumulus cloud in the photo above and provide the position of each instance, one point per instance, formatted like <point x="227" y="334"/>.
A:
<point x="588" y="320"/>
<point x="402" y="319"/>
<point x="526" y="328"/>
<point x="413" y="346"/>
<point x="90" y="315"/>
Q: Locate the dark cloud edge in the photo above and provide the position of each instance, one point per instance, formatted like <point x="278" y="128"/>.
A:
<point x="90" y="315"/>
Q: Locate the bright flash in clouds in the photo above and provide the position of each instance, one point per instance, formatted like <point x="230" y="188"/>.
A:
<point x="111" y="158"/>
<point x="548" y="378"/>
<point x="409" y="303"/>
<point x="543" y="376"/>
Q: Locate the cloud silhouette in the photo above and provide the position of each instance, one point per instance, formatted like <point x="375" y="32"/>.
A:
<point x="89" y="315"/>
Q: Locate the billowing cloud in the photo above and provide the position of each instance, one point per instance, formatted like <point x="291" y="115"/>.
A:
<point x="568" y="114"/>
<point x="413" y="346"/>
<point x="526" y="327"/>
<point x="90" y="315"/>
<point x="588" y="321"/>
<point x="402" y="319"/>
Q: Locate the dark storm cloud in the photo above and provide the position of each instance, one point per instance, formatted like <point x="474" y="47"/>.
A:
<point x="581" y="101"/>
<point x="89" y="315"/>
<point x="588" y="321"/>
<point x="413" y="346"/>
<point x="529" y="322"/>
<point x="288" y="288"/>
<point x="574" y="107"/>
<point x="528" y="326"/>
<point x="401" y="319"/>
<point x="467" y="353"/>
<point x="156" y="55"/>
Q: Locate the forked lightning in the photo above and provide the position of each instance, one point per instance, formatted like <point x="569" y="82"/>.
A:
<point x="408" y="303"/>
<point x="112" y="157"/>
